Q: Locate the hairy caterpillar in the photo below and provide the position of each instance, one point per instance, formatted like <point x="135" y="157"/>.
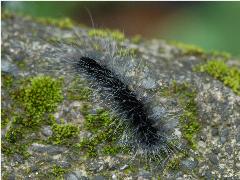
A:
<point x="118" y="80"/>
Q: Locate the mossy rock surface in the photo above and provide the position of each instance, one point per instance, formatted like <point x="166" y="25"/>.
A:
<point x="52" y="142"/>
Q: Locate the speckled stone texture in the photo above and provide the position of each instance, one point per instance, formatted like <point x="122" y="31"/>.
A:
<point x="217" y="155"/>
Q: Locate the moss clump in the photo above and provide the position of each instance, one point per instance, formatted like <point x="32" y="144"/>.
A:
<point x="4" y="118"/>
<point x="15" y="148"/>
<point x="13" y="135"/>
<point x="4" y="121"/>
<point x="6" y="85"/>
<point x="64" y="133"/>
<point x="21" y="65"/>
<point x="188" y="49"/>
<point x="64" y="23"/>
<point x="42" y="95"/>
<point x="136" y="39"/>
<point x="33" y="100"/>
<point x="174" y="163"/>
<point x="104" y="139"/>
<point x="7" y="80"/>
<point x="185" y="96"/>
<point x="111" y="150"/>
<point x="230" y="76"/>
<point x="106" y="33"/>
<point x="58" y="171"/>
<point x="94" y="122"/>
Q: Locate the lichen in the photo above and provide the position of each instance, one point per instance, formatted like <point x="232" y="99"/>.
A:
<point x="230" y="76"/>
<point x="106" y="33"/>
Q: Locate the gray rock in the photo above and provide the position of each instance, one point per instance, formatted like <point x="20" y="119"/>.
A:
<point x="34" y="168"/>
<point x="189" y="164"/>
<point x="149" y="83"/>
<point x="18" y="158"/>
<point x="208" y="175"/>
<point x="99" y="178"/>
<point x="11" y="177"/>
<point x="47" y="131"/>
<point x="25" y="40"/>
<point x="71" y="176"/>
<point x="8" y="67"/>
<point x="214" y="131"/>
<point x="229" y="149"/>
<point x="213" y="158"/>
<point x="238" y="137"/>
<point x="51" y="150"/>
<point x="64" y="164"/>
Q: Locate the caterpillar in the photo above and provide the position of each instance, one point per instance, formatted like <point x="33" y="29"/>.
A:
<point x="118" y="81"/>
<point x="132" y="109"/>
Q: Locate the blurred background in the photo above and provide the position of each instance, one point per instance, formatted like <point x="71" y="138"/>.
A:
<point x="210" y="25"/>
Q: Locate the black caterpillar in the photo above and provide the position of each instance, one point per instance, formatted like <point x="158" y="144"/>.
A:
<point x="132" y="108"/>
<point x="117" y="80"/>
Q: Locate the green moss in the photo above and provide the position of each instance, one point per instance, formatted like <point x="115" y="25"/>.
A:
<point x="14" y="134"/>
<point x="230" y="76"/>
<point x="188" y="49"/>
<point x="7" y="80"/>
<point x="111" y="150"/>
<point x="64" y="23"/>
<point x="4" y="118"/>
<point x="136" y="39"/>
<point x="21" y="64"/>
<point x="174" y="163"/>
<point x="58" y="171"/>
<point x="106" y="33"/>
<point x="131" y="169"/>
<point x="94" y="122"/>
<point x="104" y="138"/>
<point x="33" y="100"/>
<point x="4" y="122"/>
<point x="38" y="97"/>
<point x="64" y="133"/>
<point x="189" y="123"/>
<point x="10" y="149"/>
<point x="85" y="108"/>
